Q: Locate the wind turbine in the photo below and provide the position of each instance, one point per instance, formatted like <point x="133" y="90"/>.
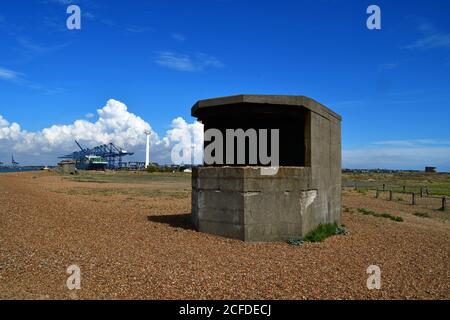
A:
<point x="147" y="150"/>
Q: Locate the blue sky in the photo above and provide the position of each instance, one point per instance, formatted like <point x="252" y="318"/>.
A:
<point x="391" y="86"/>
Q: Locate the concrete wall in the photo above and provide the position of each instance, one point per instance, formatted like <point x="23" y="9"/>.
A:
<point x="239" y="202"/>
<point x="325" y="171"/>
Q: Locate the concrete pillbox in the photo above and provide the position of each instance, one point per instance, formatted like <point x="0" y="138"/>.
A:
<point x="237" y="201"/>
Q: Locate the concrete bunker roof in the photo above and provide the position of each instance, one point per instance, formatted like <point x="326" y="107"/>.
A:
<point x="284" y="100"/>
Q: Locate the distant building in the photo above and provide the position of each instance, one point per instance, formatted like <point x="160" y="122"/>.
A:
<point x="66" y="167"/>
<point x="430" y="169"/>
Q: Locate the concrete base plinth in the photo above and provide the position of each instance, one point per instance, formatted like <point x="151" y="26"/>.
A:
<point x="240" y="203"/>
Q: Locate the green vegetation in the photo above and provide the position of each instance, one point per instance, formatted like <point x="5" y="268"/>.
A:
<point x="129" y="177"/>
<point x="137" y="192"/>
<point x="88" y="179"/>
<point x="422" y="214"/>
<point x="438" y="183"/>
<point x="152" y="168"/>
<point x="170" y="185"/>
<point x="363" y="191"/>
<point x="295" y="242"/>
<point x="341" y="230"/>
<point x="322" y="232"/>
<point x="380" y="215"/>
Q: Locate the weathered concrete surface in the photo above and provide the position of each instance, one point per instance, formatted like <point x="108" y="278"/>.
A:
<point x="239" y="202"/>
<point x="245" y="205"/>
<point x="298" y="102"/>
<point x="67" y="167"/>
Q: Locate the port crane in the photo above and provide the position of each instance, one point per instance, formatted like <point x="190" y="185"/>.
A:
<point x="14" y="162"/>
<point x="110" y="152"/>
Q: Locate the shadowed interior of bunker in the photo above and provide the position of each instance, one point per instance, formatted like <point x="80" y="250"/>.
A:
<point x="293" y="125"/>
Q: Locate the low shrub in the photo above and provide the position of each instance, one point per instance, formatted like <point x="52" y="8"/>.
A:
<point x="422" y="214"/>
<point x="295" y="242"/>
<point x="380" y="215"/>
<point x="322" y="232"/>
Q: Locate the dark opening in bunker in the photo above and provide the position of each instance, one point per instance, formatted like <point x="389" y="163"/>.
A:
<point x="293" y="125"/>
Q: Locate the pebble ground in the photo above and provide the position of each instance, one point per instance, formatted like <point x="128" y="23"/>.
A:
<point x="134" y="241"/>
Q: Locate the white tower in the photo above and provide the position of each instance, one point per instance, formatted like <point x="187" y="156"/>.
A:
<point x="147" y="151"/>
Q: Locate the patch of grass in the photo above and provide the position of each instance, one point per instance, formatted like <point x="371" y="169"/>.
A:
<point x="438" y="183"/>
<point x="363" y="191"/>
<point x="134" y="192"/>
<point x="422" y="214"/>
<point x="390" y="216"/>
<point x="322" y="232"/>
<point x="365" y="211"/>
<point x="129" y="177"/>
<point x="380" y="215"/>
<point x="76" y="179"/>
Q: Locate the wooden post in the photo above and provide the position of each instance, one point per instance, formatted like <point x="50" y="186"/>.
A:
<point x="377" y="194"/>
<point x="413" y="198"/>
<point x="404" y="188"/>
<point x="384" y="187"/>
<point x="421" y="192"/>
<point x="390" y="195"/>
<point x="444" y="200"/>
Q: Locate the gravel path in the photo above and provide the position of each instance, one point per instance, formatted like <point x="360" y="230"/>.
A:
<point x="139" y="245"/>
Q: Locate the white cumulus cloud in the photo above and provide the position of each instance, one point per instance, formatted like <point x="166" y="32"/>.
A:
<point x="114" y="124"/>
